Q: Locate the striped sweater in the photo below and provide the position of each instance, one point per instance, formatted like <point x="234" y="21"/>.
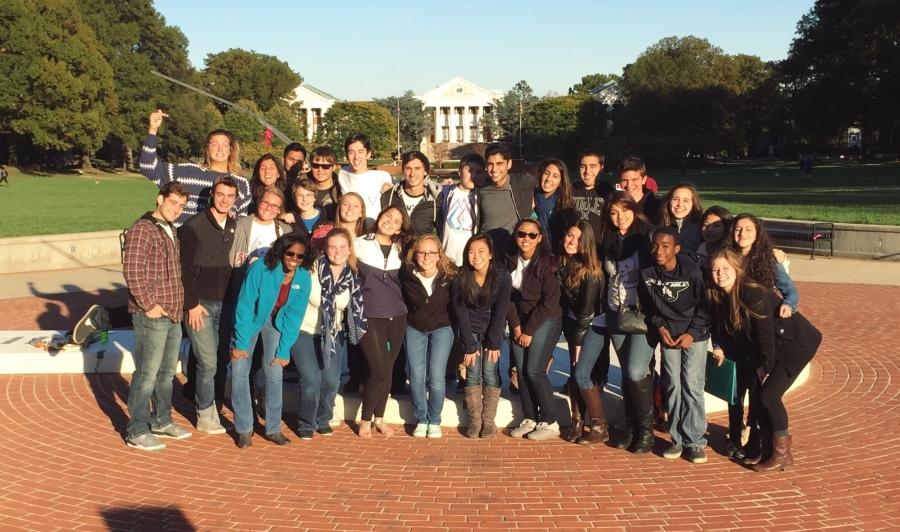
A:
<point x="196" y="179"/>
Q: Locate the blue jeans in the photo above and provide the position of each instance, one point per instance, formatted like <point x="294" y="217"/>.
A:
<point x="240" y="383"/>
<point x="426" y="366"/>
<point x="318" y="386"/>
<point x="483" y="372"/>
<point x="205" y="343"/>
<point x="156" y="343"/>
<point x="591" y="348"/>
<point x="531" y="363"/>
<point x="686" y="369"/>
<point x="635" y="352"/>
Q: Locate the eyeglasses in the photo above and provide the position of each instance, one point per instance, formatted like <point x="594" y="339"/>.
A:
<point x="427" y="253"/>
<point x="269" y="204"/>
<point x="292" y="255"/>
<point x="321" y="166"/>
<point x="525" y="234"/>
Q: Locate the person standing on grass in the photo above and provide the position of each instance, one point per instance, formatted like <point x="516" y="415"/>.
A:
<point x="220" y="160"/>
<point x="368" y="183"/>
<point x="4" y="175"/>
<point x="676" y="306"/>
<point x="589" y="194"/>
<point x="152" y="271"/>
<point x="205" y="271"/>
<point x="417" y="194"/>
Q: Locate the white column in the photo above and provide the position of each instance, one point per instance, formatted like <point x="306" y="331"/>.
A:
<point x="310" y="124"/>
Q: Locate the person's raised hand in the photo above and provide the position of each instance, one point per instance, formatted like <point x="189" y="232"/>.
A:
<point x="156" y="120"/>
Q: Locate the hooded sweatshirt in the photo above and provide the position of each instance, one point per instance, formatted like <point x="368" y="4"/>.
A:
<point x="677" y="299"/>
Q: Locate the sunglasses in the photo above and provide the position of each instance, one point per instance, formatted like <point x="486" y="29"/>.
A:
<point x="525" y="234"/>
<point x="321" y="166"/>
<point x="292" y="255"/>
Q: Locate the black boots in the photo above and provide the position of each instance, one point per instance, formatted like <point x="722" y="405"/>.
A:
<point x="642" y="405"/>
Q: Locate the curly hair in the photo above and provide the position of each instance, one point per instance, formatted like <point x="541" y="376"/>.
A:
<point x="257" y="188"/>
<point x="759" y="262"/>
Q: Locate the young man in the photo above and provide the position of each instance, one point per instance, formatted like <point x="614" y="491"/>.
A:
<point x="674" y="298"/>
<point x="152" y="271"/>
<point x="504" y="200"/>
<point x="293" y="161"/>
<point x="590" y="193"/>
<point x="370" y="184"/>
<point x="458" y="211"/>
<point x="633" y="180"/>
<point x="416" y="194"/>
<point x="221" y="160"/>
<point x="328" y="192"/>
<point x="205" y="270"/>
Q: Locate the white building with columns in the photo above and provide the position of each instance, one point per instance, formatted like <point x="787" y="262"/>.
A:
<point x="314" y="103"/>
<point x="460" y="109"/>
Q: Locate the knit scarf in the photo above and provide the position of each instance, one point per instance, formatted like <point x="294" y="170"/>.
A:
<point x="543" y="207"/>
<point x="331" y="288"/>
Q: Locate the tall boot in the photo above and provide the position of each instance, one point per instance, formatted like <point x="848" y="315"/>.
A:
<point x="764" y="441"/>
<point x="491" y="400"/>
<point x="781" y="455"/>
<point x="473" y="410"/>
<point x="577" y="429"/>
<point x="599" y="432"/>
<point x="624" y="435"/>
<point x="642" y="399"/>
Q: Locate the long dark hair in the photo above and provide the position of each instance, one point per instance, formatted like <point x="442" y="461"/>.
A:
<point x="760" y="261"/>
<point x="470" y="293"/>
<point x="282" y="244"/>
<point x="405" y="235"/>
<point x="564" y="197"/>
<point x="584" y="263"/>
<point x="257" y="188"/>
<point x="725" y="217"/>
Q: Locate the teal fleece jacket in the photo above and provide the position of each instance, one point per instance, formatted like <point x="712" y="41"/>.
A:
<point x="257" y="301"/>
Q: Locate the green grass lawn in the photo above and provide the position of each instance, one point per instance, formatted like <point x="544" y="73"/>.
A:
<point x="853" y="193"/>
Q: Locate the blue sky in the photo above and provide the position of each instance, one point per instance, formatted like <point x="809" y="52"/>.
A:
<point x="361" y="50"/>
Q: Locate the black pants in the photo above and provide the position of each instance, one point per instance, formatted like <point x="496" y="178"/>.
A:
<point x="380" y="346"/>
<point x="746" y="377"/>
<point x="773" y="414"/>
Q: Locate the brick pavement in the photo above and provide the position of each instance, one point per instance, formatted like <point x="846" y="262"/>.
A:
<point x="64" y="464"/>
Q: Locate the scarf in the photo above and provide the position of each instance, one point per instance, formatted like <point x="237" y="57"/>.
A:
<point x="543" y="207"/>
<point x="331" y="288"/>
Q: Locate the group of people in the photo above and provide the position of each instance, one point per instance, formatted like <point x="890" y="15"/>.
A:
<point x="342" y="271"/>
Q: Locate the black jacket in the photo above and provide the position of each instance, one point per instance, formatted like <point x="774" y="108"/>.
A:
<point x="425" y="313"/>
<point x="424" y="215"/>
<point x="651" y="206"/>
<point x="584" y="302"/>
<point x="538" y="298"/>
<point x="486" y="320"/>
<point x="771" y="340"/>
<point x="676" y="300"/>
<point x="205" y="268"/>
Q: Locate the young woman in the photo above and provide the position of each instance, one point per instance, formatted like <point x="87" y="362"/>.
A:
<point x="479" y="299"/>
<point x="752" y="242"/>
<point x="425" y="280"/>
<point x="271" y="306"/>
<point x="351" y="214"/>
<point x="584" y="326"/>
<point x="385" y="311"/>
<point x="535" y="322"/>
<point x="267" y="172"/>
<point x="308" y="217"/>
<point x="322" y="344"/>
<point x="553" y="202"/>
<point x="625" y="246"/>
<point x="715" y="228"/>
<point x="777" y="346"/>
<point x="682" y="210"/>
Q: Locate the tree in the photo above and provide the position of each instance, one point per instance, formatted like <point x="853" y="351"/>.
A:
<point x="592" y="81"/>
<point x="414" y="122"/>
<point x="238" y="74"/>
<point x="842" y="70"/>
<point x="513" y="113"/>
<point x="57" y="87"/>
<point x="346" y="118"/>
<point x="554" y="123"/>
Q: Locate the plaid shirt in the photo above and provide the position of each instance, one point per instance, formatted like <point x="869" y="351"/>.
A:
<point x="152" y="268"/>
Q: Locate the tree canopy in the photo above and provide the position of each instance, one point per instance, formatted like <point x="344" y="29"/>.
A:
<point x="346" y="118"/>
<point x="414" y="122"/>
<point x="238" y="74"/>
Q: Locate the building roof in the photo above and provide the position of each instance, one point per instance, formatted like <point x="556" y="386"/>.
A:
<point x="318" y="92"/>
<point x="459" y="89"/>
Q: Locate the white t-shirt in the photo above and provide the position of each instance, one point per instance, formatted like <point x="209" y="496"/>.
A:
<point x="312" y="320"/>
<point x="410" y="202"/>
<point x="261" y="237"/>
<point x="427" y="282"/>
<point x="459" y="224"/>
<point x="368" y="185"/>
<point x="521" y="264"/>
<point x="168" y="230"/>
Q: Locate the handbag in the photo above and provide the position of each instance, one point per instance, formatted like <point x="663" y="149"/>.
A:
<point x="630" y="319"/>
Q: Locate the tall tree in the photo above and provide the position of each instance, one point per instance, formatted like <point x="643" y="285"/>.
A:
<point x="513" y="114"/>
<point x="414" y="122"/>
<point x="56" y="87"/>
<point x="238" y="74"/>
<point x="345" y="118"/>
<point x="843" y="69"/>
<point x="592" y="81"/>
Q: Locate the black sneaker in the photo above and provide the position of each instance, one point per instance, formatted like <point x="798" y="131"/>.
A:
<point x="695" y="455"/>
<point x="277" y="438"/>
<point x="304" y="434"/>
<point x="325" y="431"/>
<point x="94" y="319"/>
<point x="245" y="440"/>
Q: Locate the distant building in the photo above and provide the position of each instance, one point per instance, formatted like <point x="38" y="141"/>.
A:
<point x="314" y="103"/>
<point x="460" y="109"/>
<point x="608" y="94"/>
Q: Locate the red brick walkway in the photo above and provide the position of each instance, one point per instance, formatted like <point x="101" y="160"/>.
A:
<point x="64" y="464"/>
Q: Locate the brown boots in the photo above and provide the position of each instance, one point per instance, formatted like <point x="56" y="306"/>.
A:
<point x="489" y="412"/>
<point x="599" y="432"/>
<point x="781" y="455"/>
<point x="577" y="429"/>
<point x="473" y="410"/>
<point x="481" y="409"/>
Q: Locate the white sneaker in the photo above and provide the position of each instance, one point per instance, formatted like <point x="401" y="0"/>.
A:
<point x="146" y="442"/>
<point x="544" y="431"/>
<point x="525" y="427"/>
<point x="172" y="430"/>
<point x="421" y="430"/>
<point x="434" y="431"/>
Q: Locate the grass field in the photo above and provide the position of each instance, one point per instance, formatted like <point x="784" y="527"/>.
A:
<point x="853" y="193"/>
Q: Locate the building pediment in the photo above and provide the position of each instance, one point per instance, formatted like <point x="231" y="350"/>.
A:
<point x="458" y="91"/>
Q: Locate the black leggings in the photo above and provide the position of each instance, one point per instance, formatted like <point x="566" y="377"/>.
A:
<point x="746" y="377"/>
<point x="772" y="412"/>
<point x="380" y="345"/>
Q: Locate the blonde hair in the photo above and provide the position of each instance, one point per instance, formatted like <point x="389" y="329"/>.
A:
<point x="729" y="309"/>
<point x="360" y="228"/>
<point x="343" y="232"/>
<point x="234" y="152"/>
<point x="444" y="266"/>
